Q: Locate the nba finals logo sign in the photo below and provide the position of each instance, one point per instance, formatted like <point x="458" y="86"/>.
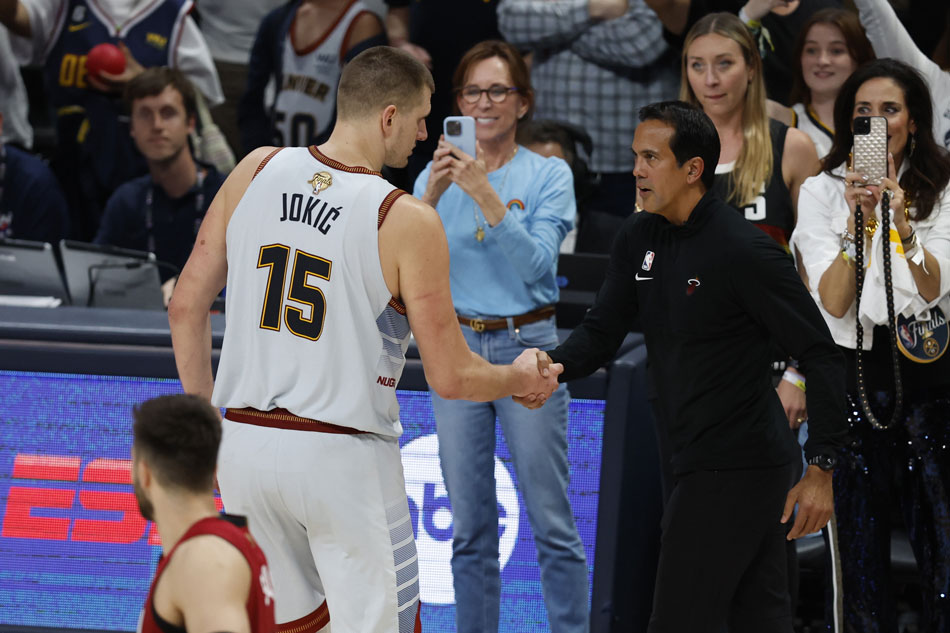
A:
<point x="432" y="517"/>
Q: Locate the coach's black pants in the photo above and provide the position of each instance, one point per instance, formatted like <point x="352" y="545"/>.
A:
<point x="722" y="555"/>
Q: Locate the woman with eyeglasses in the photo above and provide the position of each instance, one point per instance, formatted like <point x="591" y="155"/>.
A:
<point x="506" y="211"/>
<point x="894" y="465"/>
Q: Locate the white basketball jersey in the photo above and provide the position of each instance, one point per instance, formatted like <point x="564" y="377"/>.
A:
<point x="808" y="123"/>
<point x="310" y="324"/>
<point x="306" y="98"/>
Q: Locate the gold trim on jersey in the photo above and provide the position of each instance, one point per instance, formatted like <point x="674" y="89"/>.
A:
<point x="334" y="164"/>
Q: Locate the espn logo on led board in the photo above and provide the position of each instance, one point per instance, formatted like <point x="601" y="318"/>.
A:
<point x="40" y="506"/>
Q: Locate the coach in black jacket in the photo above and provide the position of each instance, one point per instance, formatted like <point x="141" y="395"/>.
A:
<point x="712" y="292"/>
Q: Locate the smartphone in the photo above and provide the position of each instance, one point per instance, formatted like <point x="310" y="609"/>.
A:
<point x="460" y="131"/>
<point x="869" y="154"/>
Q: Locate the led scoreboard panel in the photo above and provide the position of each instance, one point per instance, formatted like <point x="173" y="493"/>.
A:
<point x="76" y="554"/>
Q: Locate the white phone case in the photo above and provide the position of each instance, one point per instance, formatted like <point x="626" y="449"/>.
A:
<point x="870" y="151"/>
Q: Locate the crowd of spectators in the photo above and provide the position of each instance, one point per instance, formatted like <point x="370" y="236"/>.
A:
<point x="143" y="142"/>
<point x="265" y="73"/>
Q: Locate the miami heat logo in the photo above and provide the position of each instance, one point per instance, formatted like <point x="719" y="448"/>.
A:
<point x="321" y="181"/>
<point x="515" y="204"/>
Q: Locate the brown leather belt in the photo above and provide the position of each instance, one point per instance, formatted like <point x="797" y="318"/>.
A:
<point x="481" y="325"/>
<point x="284" y="419"/>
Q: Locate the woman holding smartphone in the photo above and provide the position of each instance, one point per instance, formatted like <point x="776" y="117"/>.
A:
<point x="506" y="211"/>
<point x="830" y="47"/>
<point x="901" y="463"/>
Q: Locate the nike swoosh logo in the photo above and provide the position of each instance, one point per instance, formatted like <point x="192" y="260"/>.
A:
<point x="78" y="27"/>
<point x="639" y="278"/>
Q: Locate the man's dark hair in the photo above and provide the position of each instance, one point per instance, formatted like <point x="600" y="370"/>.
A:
<point x="693" y="134"/>
<point x="178" y="436"/>
<point x="154" y="80"/>
<point x="569" y="137"/>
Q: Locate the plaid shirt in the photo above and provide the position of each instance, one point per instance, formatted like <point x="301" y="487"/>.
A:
<point x="595" y="74"/>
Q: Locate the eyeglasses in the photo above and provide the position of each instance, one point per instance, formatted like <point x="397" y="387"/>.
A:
<point x="497" y="93"/>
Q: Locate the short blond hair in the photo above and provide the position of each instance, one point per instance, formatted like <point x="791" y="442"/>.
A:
<point x="378" y="77"/>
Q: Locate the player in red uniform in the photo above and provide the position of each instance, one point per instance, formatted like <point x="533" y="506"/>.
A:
<point x="212" y="577"/>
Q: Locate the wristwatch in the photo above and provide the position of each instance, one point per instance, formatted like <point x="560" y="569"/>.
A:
<point x="823" y="461"/>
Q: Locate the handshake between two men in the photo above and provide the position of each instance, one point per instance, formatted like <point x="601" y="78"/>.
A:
<point x="540" y="373"/>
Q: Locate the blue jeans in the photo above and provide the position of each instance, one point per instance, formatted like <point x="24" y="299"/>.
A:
<point x="537" y="441"/>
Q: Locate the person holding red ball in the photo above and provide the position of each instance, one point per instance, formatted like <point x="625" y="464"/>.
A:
<point x="94" y="152"/>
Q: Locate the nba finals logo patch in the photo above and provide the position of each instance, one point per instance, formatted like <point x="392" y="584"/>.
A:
<point x="516" y="204"/>
<point x="321" y="180"/>
<point x="923" y="340"/>
<point x="648" y="260"/>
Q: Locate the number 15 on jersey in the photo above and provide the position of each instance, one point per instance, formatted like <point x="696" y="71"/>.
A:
<point x="275" y="258"/>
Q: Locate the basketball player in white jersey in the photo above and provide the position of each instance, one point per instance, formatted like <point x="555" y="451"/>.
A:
<point x="301" y="48"/>
<point x="327" y="267"/>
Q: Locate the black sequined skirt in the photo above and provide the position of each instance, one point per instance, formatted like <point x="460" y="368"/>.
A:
<point x="900" y="475"/>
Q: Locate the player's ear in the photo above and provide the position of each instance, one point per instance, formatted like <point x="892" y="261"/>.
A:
<point x="144" y="473"/>
<point x="387" y="119"/>
<point x="694" y="169"/>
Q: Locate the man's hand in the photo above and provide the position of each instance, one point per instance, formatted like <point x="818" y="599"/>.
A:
<point x="397" y="30"/>
<point x="15" y="17"/>
<point x="543" y="372"/>
<point x="793" y="401"/>
<point x="758" y="9"/>
<point x="815" y="498"/>
<point x="421" y="54"/>
<point x="108" y="82"/>
<point x="606" y="9"/>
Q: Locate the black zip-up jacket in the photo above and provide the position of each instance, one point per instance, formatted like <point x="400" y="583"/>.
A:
<point x="711" y="296"/>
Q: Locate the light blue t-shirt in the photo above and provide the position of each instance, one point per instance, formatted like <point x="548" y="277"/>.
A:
<point x="512" y="271"/>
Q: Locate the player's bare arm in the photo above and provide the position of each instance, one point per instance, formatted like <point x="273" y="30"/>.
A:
<point x="364" y="27"/>
<point x="202" y="279"/>
<point x="15" y="17"/>
<point x="415" y="259"/>
<point x="205" y="587"/>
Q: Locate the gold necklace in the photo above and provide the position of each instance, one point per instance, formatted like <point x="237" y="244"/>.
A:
<point x="479" y="227"/>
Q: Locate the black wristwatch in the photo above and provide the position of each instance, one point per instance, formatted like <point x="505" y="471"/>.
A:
<point x="823" y="461"/>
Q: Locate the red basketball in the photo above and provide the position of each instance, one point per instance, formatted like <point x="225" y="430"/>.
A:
<point x="105" y="57"/>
